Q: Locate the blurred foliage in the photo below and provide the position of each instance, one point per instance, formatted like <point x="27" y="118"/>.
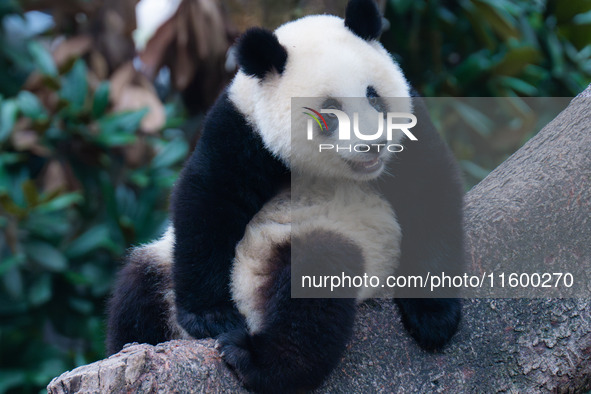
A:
<point x="15" y="62"/>
<point x="79" y="183"/>
<point x="492" y="48"/>
<point x="472" y="48"/>
<point x="88" y="153"/>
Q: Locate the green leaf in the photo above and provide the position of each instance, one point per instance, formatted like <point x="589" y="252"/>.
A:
<point x="473" y="66"/>
<point x="474" y="169"/>
<point x="48" y="369"/>
<point x="110" y="140"/>
<point x="499" y="19"/>
<point x="8" y="114"/>
<point x="60" y="202"/>
<point x="122" y="122"/>
<point x="83" y="306"/>
<point x="140" y="178"/>
<point x="42" y="58"/>
<point x="13" y="282"/>
<point x="89" y="241"/>
<point x="173" y="152"/>
<point x="10" y="206"/>
<point x="556" y="54"/>
<point x="582" y="19"/>
<point x="101" y="99"/>
<point x="10" y="262"/>
<point x="30" y="105"/>
<point x="519" y="86"/>
<point x="474" y="118"/>
<point x="10" y="378"/>
<point x="30" y="192"/>
<point x="75" y="86"/>
<point x="516" y="60"/>
<point x="40" y="290"/>
<point x="119" y="129"/>
<point x="46" y="255"/>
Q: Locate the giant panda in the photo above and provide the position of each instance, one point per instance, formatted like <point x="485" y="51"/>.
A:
<point x="223" y="268"/>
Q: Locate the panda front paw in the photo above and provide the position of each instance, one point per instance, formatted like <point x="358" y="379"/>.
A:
<point x="210" y="323"/>
<point x="430" y="321"/>
<point x="236" y="350"/>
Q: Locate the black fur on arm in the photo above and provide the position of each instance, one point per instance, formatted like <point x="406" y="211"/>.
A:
<point x="225" y="182"/>
<point x="427" y="195"/>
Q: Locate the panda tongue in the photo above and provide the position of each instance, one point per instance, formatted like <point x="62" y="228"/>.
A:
<point x="364" y="166"/>
<point x="370" y="163"/>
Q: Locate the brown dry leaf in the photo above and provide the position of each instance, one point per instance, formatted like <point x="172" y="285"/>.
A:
<point x="136" y="97"/>
<point x="184" y="68"/>
<point x="159" y="44"/>
<point x="112" y="27"/>
<point x="193" y="43"/>
<point x="122" y="77"/>
<point x="54" y="177"/>
<point x="137" y="154"/>
<point x="57" y="176"/>
<point x="71" y="48"/>
<point x="208" y="29"/>
<point x="99" y="65"/>
<point x="93" y="79"/>
<point x="24" y="138"/>
<point x="131" y="90"/>
<point x="34" y="82"/>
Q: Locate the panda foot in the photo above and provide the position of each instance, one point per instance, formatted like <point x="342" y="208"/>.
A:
<point x="210" y="323"/>
<point x="235" y="349"/>
<point x="430" y="321"/>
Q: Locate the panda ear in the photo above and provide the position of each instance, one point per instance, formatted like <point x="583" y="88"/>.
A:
<point x="363" y="18"/>
<point x="259" y="52"/>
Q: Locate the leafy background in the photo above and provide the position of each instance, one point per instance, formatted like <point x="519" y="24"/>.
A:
<point x="93" y="133"/>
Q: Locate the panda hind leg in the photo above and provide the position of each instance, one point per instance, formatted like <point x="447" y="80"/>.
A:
<point x="302" y="339"/>
<point x="138" y="310"/>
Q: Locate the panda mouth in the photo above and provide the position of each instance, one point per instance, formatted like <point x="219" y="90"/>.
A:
<point x="367" y="166"/>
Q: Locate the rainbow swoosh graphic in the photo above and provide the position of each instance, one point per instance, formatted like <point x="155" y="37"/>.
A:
<point x="316" y="115"/>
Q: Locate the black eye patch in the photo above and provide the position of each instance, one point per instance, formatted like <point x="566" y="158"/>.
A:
<point x="331" y="119"/>
<point x="371" y="92"/>
<point x="332" y="103"/>
<point x="375" y="100"/>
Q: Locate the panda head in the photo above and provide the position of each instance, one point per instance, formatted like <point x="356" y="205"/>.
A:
<point x="325" y="58"/>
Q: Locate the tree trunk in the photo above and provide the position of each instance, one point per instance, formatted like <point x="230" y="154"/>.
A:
<point x="536" y="206"/>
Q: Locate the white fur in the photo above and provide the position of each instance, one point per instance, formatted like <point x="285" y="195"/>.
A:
<point x="160" y="250"/>
<point x="350" y="209"/>
<point x="324" y="59"/>
<point x="158" y="255"/>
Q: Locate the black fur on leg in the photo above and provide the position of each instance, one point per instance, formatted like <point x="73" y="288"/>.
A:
<point x="137" y="310"/>
<point x="302" y="339"/>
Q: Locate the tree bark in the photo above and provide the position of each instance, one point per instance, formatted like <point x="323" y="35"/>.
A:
<point x="535" y="206"/>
